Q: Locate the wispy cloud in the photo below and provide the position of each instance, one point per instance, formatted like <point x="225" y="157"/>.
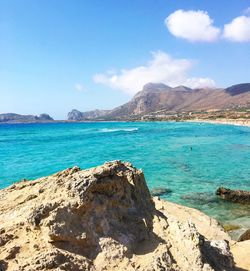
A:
<point x="246" y="11"/>
<point x="192" y="25"/>
<point x="79" y="87"/>
<point x="162" y="68"/>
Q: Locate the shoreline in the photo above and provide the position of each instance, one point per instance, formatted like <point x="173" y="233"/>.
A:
<point x="33" y="220"/>
<point x="236" y="122"/>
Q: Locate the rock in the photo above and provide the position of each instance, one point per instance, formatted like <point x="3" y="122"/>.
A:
<point x="12" y="252"/>
<point x="160" y="191"/>
<point x="3" y="265"/>
<point x="230" y="227"/>
<point x="206" y="226"/>
<point x="218" y="255"/>
<point x="245" y="236"/>
<point x="240" y="251"/>
<point x="104" y="218"/>
<point x="4" y="238"/>
<point x="236" y="196"/>
<point x="235" y="234"/>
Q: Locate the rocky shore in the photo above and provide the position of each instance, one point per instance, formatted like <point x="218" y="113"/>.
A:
<point x="104" y="218"/>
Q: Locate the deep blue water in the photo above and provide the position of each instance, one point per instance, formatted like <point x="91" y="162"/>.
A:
<point x="191" y="159"/>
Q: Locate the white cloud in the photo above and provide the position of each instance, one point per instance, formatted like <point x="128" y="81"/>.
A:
<point x="247" y="11"/>
<point x="238" y="29"/>
<point x="79" y="87"/>
<point x="162" y="68"/>
<point x="192" y="25"/>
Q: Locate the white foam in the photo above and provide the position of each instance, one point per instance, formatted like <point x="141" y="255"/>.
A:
<point x="110" y="130"/>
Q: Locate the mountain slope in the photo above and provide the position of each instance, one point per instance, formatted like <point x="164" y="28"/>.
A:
<point x="76" y="115"/>
<point x="156" y="97"/>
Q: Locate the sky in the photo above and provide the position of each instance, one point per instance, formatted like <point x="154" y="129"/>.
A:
<point x="59" y="55"/>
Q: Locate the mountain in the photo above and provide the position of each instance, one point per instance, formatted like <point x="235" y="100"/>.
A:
<point x="238" y="89"/>
<point x="76" y="115"/>
<point x="160" y="97"/>
<point x="16" y="118"/>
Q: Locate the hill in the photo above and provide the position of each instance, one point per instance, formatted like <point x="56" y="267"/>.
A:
<point x="159" y="97"/>
<point x="17" y="118"/>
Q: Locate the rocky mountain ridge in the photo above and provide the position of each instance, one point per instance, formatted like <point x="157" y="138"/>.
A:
<point x="159" y="97"/>
<point x="76" y="115"/>
<point x="17" y="118"/>
<point x="104" y="219"/>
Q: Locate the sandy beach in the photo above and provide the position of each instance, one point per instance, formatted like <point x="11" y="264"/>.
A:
<point x="238" y="122"/>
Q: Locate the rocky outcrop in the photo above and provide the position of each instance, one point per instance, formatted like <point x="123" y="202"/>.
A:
<point x="159" y="99"/>
<point x="16" y="118"/>
<point x="236" y="196"/>
<point x="45" y="117"/>
<point x="104" y="219"/>
<point x="76" y="115"/>
<point x="240" y="251"/>
<point x="160" y="191"/>
<point x="245" y="236"/>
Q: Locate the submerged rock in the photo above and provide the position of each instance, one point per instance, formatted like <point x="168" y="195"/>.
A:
<point x="236" y="196"/>
<point x="103" y="219"/>
<point x="160" y="191"/>
<point x="230" y="227"/>
<point x="200" y="198"/>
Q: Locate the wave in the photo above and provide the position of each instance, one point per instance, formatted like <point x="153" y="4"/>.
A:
<point x="110" y="130"/>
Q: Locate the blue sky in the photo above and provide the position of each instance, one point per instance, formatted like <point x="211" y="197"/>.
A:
<point x="57" y="55"/>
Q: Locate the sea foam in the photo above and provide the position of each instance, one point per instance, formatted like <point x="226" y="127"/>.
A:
<point x="110" y="130"/>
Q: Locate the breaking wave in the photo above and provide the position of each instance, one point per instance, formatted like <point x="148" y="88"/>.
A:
<point x="109" y="130"/>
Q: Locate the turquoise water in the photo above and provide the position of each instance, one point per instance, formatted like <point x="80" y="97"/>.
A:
<point x="191" y="159"/>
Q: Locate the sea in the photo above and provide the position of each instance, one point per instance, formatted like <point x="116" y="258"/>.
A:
<point x="191" y="160"/>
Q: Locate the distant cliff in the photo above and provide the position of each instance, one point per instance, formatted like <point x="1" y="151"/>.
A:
<point x="16" y="118"/>
<point x="76" y="115"/>
<point x="159" y="97"/>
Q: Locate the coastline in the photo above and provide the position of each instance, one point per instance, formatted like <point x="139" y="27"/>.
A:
<point x="237" y="122"/>
<point x="47" y="230"/>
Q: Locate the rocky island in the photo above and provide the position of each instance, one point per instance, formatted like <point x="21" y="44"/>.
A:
<point x="17" y="118"/>
<point x="104" y="218"/>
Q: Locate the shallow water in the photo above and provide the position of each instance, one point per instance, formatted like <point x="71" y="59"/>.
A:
<point x="190" y="159"/>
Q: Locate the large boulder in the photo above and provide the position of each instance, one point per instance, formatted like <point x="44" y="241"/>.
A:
<point x="236" y="196"/>
<point x="245" y="236"/>
<point x="100" y="219"/>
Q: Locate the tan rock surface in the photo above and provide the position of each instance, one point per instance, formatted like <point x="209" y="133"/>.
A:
<point x="104" y="219"/>
<point x="241" y="252"/>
